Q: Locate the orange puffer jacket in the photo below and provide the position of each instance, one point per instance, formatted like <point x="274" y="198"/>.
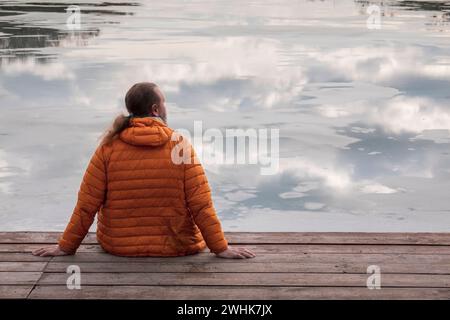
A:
<point x="147" y="205"/>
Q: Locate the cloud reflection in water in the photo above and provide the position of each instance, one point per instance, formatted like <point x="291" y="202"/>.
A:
<point x="363" y="115"/>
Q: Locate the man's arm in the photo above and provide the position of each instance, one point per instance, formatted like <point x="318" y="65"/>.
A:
<point x="198" y="198"/>
<point x="91" y="196"/>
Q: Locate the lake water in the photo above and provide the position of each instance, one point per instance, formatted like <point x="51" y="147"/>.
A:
<point x="363" y="112"/>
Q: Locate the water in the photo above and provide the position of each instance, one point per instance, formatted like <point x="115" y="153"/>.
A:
<point x="363" y="114"/>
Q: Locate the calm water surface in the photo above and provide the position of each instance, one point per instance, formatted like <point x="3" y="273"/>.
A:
<point x="363" y="114"/>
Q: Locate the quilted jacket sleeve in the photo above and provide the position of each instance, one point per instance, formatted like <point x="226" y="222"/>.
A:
<point x="90" y="198"/>
<point x="198" y="197"/>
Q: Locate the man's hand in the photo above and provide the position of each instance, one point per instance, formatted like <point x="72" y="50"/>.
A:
<point x="236" y="253"/>
<point x="50" y="251"/>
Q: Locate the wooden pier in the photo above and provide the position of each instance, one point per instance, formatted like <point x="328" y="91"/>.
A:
<point x="287" y="266"/>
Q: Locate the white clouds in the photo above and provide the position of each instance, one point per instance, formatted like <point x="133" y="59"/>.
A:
<point x="395" y="115"/>
<point x="410" y="68"/>
<point x="436" y="71"/>
<point x="334" y="111"/>
<point x="313" y="205"/>
<point x="332" y="176"/>
<point x="377" y="64"/>
<point x="291" y="195"/>
<point x="403" y="114"/>
<point x="246" y="69"/>
<point x="362" y="130"/>
<point x="371" y="187"/>
<point x="48" y="71"/>
<point x="359" y="83"/>
<point x="301" y="190"/>
<point x="336" y="178"/>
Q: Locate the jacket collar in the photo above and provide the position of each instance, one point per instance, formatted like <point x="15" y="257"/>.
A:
<point x="146" y="131"/>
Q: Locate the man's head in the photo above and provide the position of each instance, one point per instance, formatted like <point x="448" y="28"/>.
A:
<point x="145" y="99"/>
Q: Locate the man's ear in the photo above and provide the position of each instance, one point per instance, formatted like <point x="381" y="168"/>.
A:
<point x="155" y="109"/>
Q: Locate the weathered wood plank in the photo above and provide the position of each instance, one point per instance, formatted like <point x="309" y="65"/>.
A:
<point x="24" y="257"/>
<point x="287" y="266"/>
<point x="19" y="278"/>
<point x="39" y="237"/>
<point x="250" y="279"/>
<point x="224" y="292"/>
<point x="29" y="247"/>
<point x="22" y="266"/>
<point x="270" y="238"/>
<point x="378" y="258"/>
<point x="347" y="248"/>
<point x="247" y="266"/>
<point x="372" y="258"/>
<point x="14" y="292"/>
<point x="276" y="248"/>
<point x="339" y="238"/>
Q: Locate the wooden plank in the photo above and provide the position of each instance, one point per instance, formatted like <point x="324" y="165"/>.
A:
<point x="276" y="248"/>
<point x="224" y="292"/>
<point x="378" y="258"/>
<point x="346" y="248"/>
<point x="250" y="279"/>
<point x="14" y="291"/>
<point x="23" y="257"/>
<point x="279" y="257"/>
<point x="338" y="238"/>
<point x="39" y="237"/>
<point x="270" y="238"/>
<point x="22" y="266"/>
<point x="288" y="266"/>
<point x="29" y="247"/>
<point x="219" y="266"/>
<point x="19" y="278"/>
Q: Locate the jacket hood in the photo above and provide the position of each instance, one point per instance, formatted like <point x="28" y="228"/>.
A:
<point x="148" y="131"/>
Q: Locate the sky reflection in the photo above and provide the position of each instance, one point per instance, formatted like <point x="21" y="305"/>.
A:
<point x="363" y="114"/>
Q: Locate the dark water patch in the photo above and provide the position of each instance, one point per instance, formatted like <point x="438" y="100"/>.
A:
<point x="20" y="36"/>
<point x="61" y="7"/>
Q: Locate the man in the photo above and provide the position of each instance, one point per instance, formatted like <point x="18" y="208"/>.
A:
<point x="147" y="204"/>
